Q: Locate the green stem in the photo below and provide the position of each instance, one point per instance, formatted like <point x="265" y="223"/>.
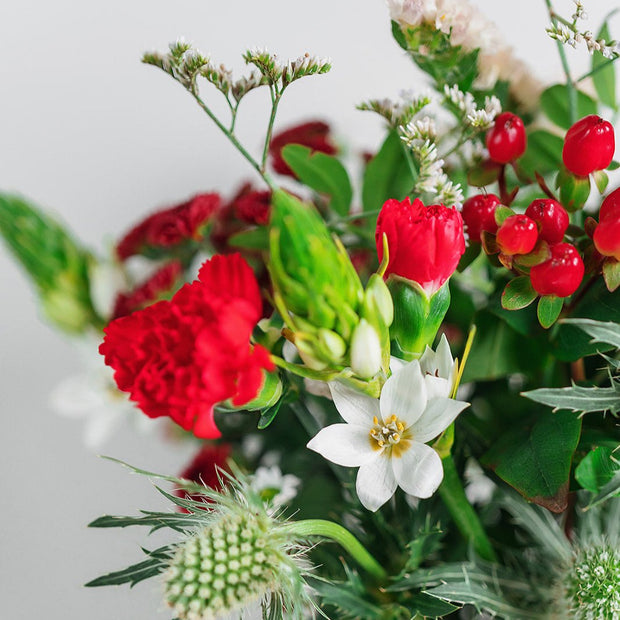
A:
<point x="465" y="517"/>
<point x="342" y="536"/>
<point x="596" y="69"/>
<point x="231" y="136"/>
<point x="570" y="85"/>
<point x="275" y="100"/>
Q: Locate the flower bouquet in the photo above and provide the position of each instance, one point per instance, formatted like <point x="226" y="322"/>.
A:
<point x="399" y="400"/>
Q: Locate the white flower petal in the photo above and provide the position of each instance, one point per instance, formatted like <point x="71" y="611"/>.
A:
<point x="344" y="444"/>
<point x="375" y="483"/>
<point x="436" y="387"/>
<point x="396" y="364"/>
<point x="439" y="363"/>
<point x="438" y="415"/>
<point x="418" y="471"/>
<point x="404" y="394"/>
<point x="353" y="406"/>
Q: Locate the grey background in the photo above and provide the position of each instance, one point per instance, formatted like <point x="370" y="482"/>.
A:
<point x="100" y="139"/>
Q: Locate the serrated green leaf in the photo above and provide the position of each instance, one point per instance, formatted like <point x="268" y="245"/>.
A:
<point x="600" y="331"/>
<point x="596" y="469"/>
<point x="155" y="520"/>
<point x="321" y="172"/>
<point x="536" y="461"/>
<point x="554" y="103"/>
<point x="543" y="154"/>
<point x="579" y="399"/>
<point x="341" y="596"/>
<point x="518" y="293"/>
<point x="132" y="574"/>
<point x="548" y="310"/>
<point x="604" y="79"/>
<point x="387" y="175"/>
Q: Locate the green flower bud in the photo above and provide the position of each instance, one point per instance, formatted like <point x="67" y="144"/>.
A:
<point x="416" y="316"/>
<point x="366" y="351"/>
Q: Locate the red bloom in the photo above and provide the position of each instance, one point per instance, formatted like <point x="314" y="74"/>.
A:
<point x="159" y="286"/>
<point x="314" y="134"/>
<point x="253" y="207"/>
<point x="425" y="243"/>
<point x="179" y="358"/>
<point x="170" y="227"/>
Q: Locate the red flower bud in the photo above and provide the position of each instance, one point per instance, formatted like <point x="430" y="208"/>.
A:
<point x="506" y="140"/>
<point x="611" y="205"/>
<point x="517" y="235"/>
<point x="589" y="145"/>
<point x="551" y="216"/>
<point x="561" y="275"/>
<point x="479" y="214"/>
<point x="425" y="243"/>
<point x="314" y="135"/>
<point x="607" y="235"/>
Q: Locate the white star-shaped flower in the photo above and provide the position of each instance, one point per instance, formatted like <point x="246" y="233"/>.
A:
<point x="386" y="437"/>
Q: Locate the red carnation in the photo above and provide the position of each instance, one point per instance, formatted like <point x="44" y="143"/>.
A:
<point x="253" y="207"/>
<point x="314" y="135"/>
<point x="179" y="358"/>
<point x="169" y="227"/>
<point x="159" y="286"/>
<point x="425" y="243"/>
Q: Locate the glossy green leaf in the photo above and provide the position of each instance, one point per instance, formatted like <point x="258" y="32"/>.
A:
<point x="387" y="174"/>
<point x="537" y="461"/>
<point x="604" y="78"/>
<point x="574" y="191"/>
<point x="502" y="213"/>
<point x="554" y="103"/>
<point x="323" y="173"/>
<point x="548" y="310"/>
<point x="518" y="294"/>
<point x="597" y="468"/>
<point x="543" y="154"/>
<point x="601" y="180"/>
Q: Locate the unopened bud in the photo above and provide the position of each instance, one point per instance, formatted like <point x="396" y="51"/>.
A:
<point x="365" y="351"/>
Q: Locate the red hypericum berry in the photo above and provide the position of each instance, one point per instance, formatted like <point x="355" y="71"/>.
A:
<point x="610" y="206"/>
<point x="506" y="140"/>
<point x="561" y="275"/>
<point x="607" y="236"/>
<point x="551" y="216"/>
<point x="589" y="145"/>
<point x="517" y="235"/>
<point x="479" y="214"/>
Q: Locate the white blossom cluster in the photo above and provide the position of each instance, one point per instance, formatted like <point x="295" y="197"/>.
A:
<point x="468" y="27"/>
<point x="573" y="37"/>
<point x="475" y="117"/>
<point x="397" y="113"/>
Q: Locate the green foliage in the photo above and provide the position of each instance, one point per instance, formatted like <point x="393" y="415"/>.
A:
<point x="604" y="79"/>
<point x="345" y="598"/>
<point x="518" y="293"/>
<point x="57" y="265"/>
<point x="252" y="239"/>
<point x="543" y="154"/>
<point x="554" y="103"/>
<point x="574" y="191"/>
<point x="597" y="469"/>
<point x="548" y="310"/>
<point x="579" y="399"/>
<point x="536" y="461"/>
<point x="387" y="175"/>
<point x="601" y="331"/>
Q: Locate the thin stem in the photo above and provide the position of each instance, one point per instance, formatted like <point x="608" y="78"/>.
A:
<point x="275" y="100"/>
<point x="337" y="533"/>
<point x="596" y="69"/>
<point x="231" y="136"/>
<point x="465" y="517"/>
<point x="570" y="85"/>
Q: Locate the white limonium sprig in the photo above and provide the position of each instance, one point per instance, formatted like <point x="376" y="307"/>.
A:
<point x="570" y="35"/>
<point x="387" y="437"/>
<point x="397" y="113"/>
<point x="478" y="118"/>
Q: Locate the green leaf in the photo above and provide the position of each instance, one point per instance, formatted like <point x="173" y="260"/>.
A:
<point x="596" y="469"/>
<point x="614" y="165"/>
<point x="484" y="174"/>
<point x="604" y="79"/>
<point x="554" y="103"/>
<point x="611" y="489"/>
<point x="537" y="461"/>
<point x="253" y="239"/>
<point x="578" y="398"/>
<point x="269" y="415"/>
<point x="341" y="596"/>
<point x="132" y="574"/>
<point x="574" y="191"/>
<point x="611" y="274"/>
<point x="430" y="606"/>
<point x="518" y="294"/>
<point x="538" y="255"/>
<point x="543" y="154"/>
<point x="601" y="179"/>
<point x="600" y="331"/>
<point x="549" y="308"/>
<point x="323" y="173"/>
<point x="502" y="213"/>
<point x="387" y="175"/>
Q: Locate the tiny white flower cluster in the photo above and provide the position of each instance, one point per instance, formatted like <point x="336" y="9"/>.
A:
<point x="580" y="12"/>
<point x="468" y="27"/>
<point x="420" y="129"/>
<point x="573" y="37"/>
<point x="477" y="118"/>
<point x="397" y="113"/>
<point x="305" y="65"/>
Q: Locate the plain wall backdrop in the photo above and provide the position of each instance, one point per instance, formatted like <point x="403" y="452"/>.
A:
<point x="90" y="133"/>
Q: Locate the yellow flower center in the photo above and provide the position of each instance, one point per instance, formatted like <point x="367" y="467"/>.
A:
<point x="391" y="435"/>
